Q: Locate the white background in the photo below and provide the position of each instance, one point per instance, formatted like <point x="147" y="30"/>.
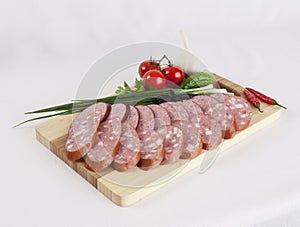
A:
<point x="47" y="46"/>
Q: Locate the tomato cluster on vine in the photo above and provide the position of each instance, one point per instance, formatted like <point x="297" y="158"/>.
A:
<point x="156" y="76"/>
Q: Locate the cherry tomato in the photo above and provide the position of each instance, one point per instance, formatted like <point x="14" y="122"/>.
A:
<point x="147" y="65"/>
<point x="154" y="78"/>
<point x="174" y="74"/>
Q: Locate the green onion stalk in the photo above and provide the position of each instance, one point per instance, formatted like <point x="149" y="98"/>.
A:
<point x="133" y="98"/>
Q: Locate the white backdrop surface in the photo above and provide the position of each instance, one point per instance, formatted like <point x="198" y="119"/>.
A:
<point x="47" y="46"/>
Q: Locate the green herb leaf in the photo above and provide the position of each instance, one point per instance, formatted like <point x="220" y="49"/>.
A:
<point x="197" y="80"/>
<point x="123" y="90"/>
<point x="126" y="89"/>
<point x="139" y="85"/>
<point x="119" y="90"/>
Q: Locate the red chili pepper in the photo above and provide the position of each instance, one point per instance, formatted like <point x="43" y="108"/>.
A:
<point x="264" y="98"/>
<point x="252" y="99"/>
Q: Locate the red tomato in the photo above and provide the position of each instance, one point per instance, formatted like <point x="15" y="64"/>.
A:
<point x="154" y="78"/>
<point x="145" y="66"/>
<point x="174" y="74"/>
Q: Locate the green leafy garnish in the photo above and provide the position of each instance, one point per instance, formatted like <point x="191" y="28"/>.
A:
<point x="123" y="90"/>
<point x="138" y="86"/>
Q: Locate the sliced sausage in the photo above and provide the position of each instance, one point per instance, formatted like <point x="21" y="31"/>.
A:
<point x="192" y="109"/>
<point x="211" y="132"/>
<point x="146" y="121"/>
<point x="204" y="101"/>
<point x="161" y="116"/>
<point x="175" y="111"/>
<point x="171" y="111"/>
<point x="220" y="97"/>
<point x="102" y="154"/>
<point x="98" y="158"/>
<point x="83" y="130"/>
<point x="241" y="110"/>
<point x="181" y="110"/>
<point x="228" y="124"/>
<point x="119" y="112"/>
<point x="106" y="108"/>
<point x="152" y="150"/>
<point x="173" y="143"/>
<point x="133" y="117"/>
<point x="192" y="140"/>
<point x="224" y="116"/>
<point x="109" y="133"/>
<point x="129" y="153"/>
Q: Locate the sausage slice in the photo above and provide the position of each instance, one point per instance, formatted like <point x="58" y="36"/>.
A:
<point x="161" y="116"/>
<point x="192" y="140"/>
<point x="176" y="111"/>
<point x="102" y="154"/>
<point x="225" y="117"/>
<point x="211" y="132"/>
<point x="192" y="109"/>
<point x="132" y="117"/>
<point x="152" y="150"/>
<point x="83" y="130"/>
<point x="241" y="110"/>
<point x="204" y="101"/>
<point x="173" y="143"/>
<point x="129" y="153"/>
<point x="119" y="112"/>
<point x="146" y="122"/>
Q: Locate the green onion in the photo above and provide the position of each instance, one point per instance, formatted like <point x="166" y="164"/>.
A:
<point x="134" y="98"/>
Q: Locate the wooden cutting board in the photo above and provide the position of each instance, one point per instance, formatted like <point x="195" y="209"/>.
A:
<point x="126" y="188"/>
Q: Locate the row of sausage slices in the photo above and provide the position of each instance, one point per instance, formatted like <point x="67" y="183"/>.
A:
<point x="124" y="136"/>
